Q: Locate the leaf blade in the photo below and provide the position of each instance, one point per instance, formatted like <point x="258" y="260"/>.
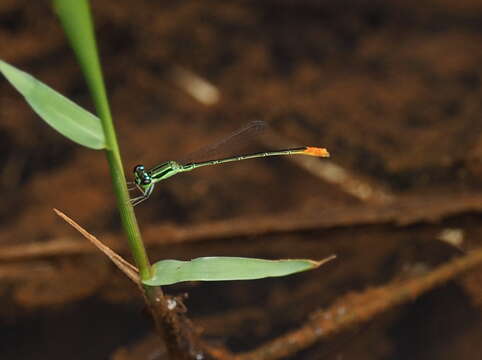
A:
<point x="218" y="268"/>
<point x="59" y="112"/>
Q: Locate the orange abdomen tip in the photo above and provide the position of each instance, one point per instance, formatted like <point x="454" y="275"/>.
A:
<point x="316" y="151"/>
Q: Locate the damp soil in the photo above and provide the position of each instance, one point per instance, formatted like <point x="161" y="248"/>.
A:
<point x="391" y="89"/>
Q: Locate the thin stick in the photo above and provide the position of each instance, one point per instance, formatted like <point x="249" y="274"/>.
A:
<point x="355" y="309"/>
<point x="408" y="210"/>
<point x="126" y="267"/>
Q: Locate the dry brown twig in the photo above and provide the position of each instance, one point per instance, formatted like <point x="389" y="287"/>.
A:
<point x="405" y="211"/>
<point x="355" y="309"/>
<point x="127" y="268"/>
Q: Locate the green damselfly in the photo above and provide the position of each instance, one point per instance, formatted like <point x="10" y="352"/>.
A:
<point x="146" y="179"/>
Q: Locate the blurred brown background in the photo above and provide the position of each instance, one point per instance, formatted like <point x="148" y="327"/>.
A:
<point x="392" y="89"/>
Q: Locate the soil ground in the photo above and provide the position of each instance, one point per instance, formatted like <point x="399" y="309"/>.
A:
<point x="392" y="89"/>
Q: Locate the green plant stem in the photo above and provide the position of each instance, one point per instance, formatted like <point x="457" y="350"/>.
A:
<point x="77" y="22"/>
<point x="177" y="334"/>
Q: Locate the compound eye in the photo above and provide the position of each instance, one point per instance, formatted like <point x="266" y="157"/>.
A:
<point x="146" y="181"/>
<point x="139" y="168"/>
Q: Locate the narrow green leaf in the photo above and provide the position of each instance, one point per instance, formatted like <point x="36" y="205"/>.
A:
<point x="76" y="19"/>
<point x="63" y="115"/>
<point x="167" y="272"/>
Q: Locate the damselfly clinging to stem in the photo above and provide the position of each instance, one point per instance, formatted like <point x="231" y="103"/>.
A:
<point x="146" y="179"/>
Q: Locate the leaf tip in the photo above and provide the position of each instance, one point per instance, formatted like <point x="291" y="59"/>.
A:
<point x="318" y="263"/>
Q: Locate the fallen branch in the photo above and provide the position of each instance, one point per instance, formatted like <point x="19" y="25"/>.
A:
<point x="357" y="308"/>
<point x="406" y="211"/>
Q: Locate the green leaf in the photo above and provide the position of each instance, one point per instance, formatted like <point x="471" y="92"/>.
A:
<point x="76" y="19"/>
<point x="167" y="272"/>
<point x="63" y="115"/>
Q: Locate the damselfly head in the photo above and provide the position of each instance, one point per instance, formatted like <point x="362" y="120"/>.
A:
<point x="141" y="177"/>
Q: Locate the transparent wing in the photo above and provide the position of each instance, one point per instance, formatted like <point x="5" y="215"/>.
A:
<point x="229" y="145"/>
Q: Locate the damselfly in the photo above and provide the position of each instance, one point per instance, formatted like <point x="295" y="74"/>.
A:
<point x="146" y="179"/>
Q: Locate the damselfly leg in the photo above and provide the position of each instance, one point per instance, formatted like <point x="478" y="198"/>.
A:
<point x="145" y="195"/>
